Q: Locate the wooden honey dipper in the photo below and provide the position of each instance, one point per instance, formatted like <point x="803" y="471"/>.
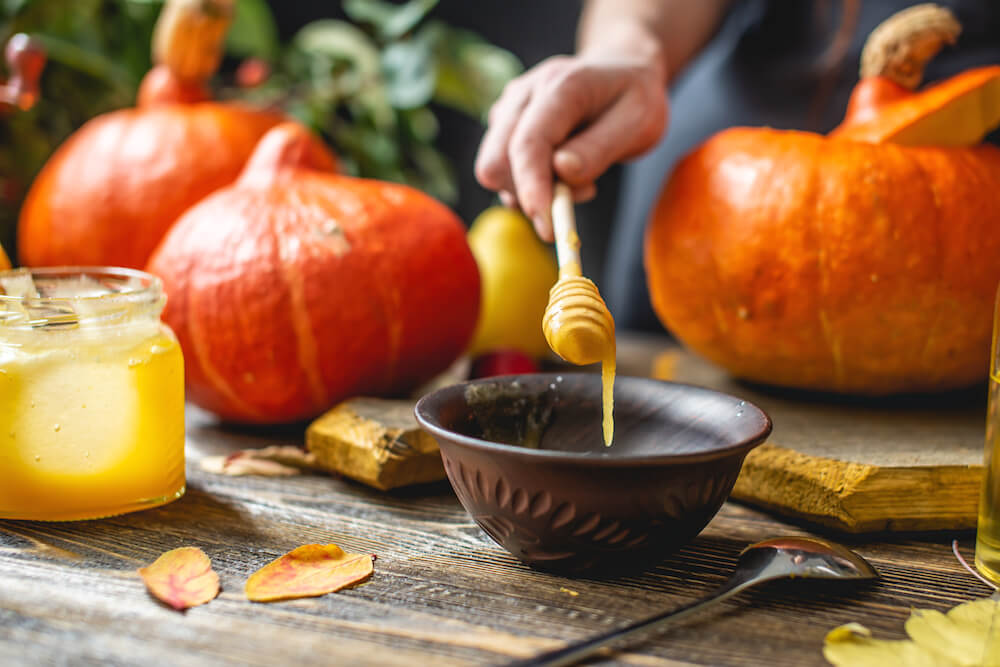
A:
<point x="577" y="323"/>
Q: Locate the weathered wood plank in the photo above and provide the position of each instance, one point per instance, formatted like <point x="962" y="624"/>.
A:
<point x="853" y="464"/>
<point x="441" y="588"/>
<point x="442" y="592"/>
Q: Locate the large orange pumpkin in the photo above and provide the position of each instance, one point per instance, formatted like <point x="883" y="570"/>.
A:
<point x="111" y="191"/>
<point x="295" y="287"/>
<point x="865" y="261"/>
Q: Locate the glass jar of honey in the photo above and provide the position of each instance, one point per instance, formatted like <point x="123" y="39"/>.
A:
<point x="91" y="395"/>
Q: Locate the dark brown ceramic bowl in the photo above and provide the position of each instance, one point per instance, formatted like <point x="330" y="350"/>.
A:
<point x="569" y="503"/>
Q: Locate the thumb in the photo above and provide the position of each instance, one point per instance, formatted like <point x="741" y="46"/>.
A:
<point x="624" y="130"/>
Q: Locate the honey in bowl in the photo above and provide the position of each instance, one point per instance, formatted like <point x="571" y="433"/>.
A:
<point x="91" y="395"/>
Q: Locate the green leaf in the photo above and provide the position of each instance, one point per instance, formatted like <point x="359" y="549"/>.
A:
<point x="85" y="60"/>
<point x="422" y="124"/>
<point x="436" y="176"/>
<point x="410" y="75"/>
<point x="371" y="12"/>
<point x="253" y="31"/>
<point x="471" y="71"/>
<point x="391" y="21"/>
<point x="339" y="40"/>
<point x="373" y="154"/>
<point x="344" y="64"/>
<point x="12" y="7"/>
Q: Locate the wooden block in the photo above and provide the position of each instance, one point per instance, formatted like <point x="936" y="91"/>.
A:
<point x="858" y="497"/>
<point x="377" y="442"/>
<point x="850" y="463"/>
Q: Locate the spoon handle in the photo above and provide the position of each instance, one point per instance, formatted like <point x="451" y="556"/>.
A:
<point x="576" y="652"/>
<point x="564" y="229"/>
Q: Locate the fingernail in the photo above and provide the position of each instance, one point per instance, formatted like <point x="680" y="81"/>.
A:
<point x="507" y="199"/>
<point x="539" y="228"/>
<point x="542" y="227"/>
<point x="568" y="161"/>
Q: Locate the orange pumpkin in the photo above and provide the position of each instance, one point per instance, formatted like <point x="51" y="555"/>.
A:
<point x="295" y="287"/>
<point x="111" y="191"/>
<point x="865" y="261"/>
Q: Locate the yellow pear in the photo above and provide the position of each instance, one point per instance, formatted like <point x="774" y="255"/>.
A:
<point x="516" y="270"/>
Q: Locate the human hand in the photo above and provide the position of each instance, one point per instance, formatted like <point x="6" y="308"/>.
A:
<point x="616" y="106"/>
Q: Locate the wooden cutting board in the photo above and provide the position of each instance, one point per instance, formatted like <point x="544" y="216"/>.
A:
<point x="856" y="465"/>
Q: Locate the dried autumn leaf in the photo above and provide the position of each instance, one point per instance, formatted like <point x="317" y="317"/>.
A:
<point x="182" y="578"/>
<point x="274" y="461"/>
<point x="288" y="455"/>
<point x="308" y="571"/>
<point x="224" y="465"/>
<point x="969" y="634"/>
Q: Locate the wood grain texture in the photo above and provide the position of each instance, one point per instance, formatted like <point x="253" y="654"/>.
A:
<point x="442" y="592"/>
<point x="854" y="465"/>
<point x="377" y="442"/>
<point x="857" y="497"/>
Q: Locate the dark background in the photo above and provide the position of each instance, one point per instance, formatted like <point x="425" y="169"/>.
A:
<point x="763" y="69"/>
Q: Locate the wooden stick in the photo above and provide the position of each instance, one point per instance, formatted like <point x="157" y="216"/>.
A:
<point x="564" y="228"/>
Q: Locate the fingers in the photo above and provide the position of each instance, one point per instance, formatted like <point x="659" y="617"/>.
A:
<point x="621" y="107"/>
<point x="633" y="124"/>
<point x="568" y="97"/>
<point x="491" y="168"/>
<point x="584" y="193"/>
<point x="581" y="193"/>
<point x="543" y="226"/>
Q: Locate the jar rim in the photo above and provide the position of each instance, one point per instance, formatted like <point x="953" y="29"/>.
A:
<point x="130" y="294"/>
<point x="149" y="286"/>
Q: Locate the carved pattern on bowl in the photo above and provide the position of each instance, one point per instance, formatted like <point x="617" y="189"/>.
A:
<point x="514" y="516"/>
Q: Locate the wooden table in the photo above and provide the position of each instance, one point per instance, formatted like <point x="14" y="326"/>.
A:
<point x="443" y="593"/>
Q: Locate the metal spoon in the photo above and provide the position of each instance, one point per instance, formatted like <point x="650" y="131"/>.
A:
<point x="780" y="558"/>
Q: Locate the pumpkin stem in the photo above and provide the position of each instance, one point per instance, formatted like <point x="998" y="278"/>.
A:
<point x="161" y="86"/>
<point x="187" y="48"/>
<point x="188" y="37"/>
<point x="900" y="47"/>
<point x="288" y="146"/>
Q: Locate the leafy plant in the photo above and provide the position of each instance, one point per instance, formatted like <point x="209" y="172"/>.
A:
<point x="97" y="53"/>
<point x="370" y="84"/>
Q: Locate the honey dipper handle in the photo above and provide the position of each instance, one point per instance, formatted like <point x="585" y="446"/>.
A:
<point x="564" y="228"/>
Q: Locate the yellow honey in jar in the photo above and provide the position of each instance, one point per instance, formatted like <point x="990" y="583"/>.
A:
<point x="91" y="395"/>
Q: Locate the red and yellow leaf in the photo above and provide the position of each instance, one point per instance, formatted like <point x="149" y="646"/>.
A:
<point x="308" y="571"/>
<point x="274" y="461"/>
<point x="182" y="578"/>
